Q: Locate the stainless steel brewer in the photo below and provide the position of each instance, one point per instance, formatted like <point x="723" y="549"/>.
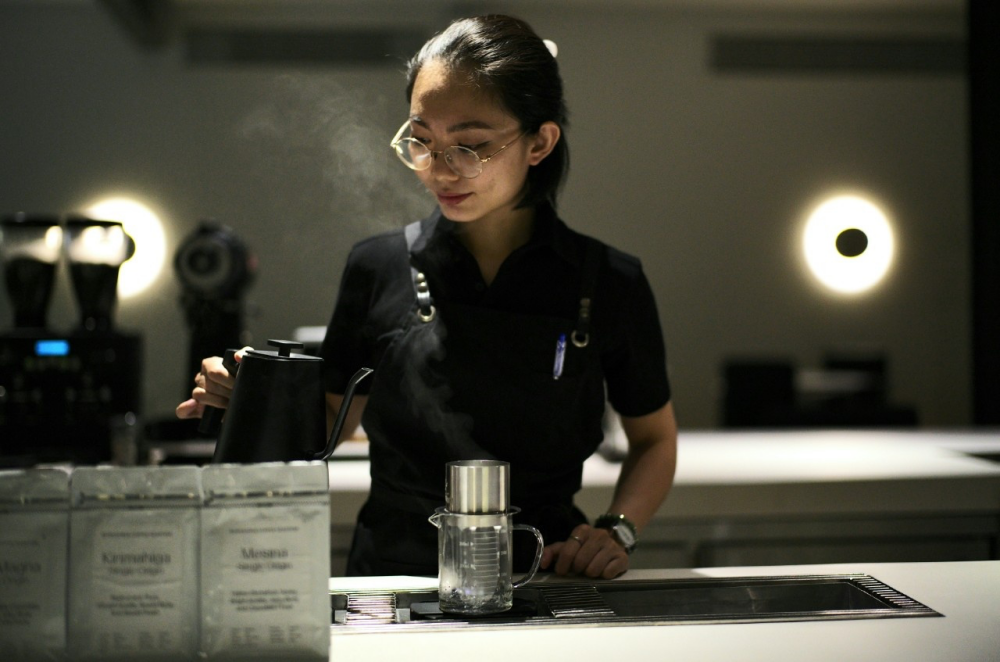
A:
<point x="474" y="539"/>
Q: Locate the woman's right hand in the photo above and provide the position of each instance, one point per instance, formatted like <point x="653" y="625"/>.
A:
<point x="213" y="386"/>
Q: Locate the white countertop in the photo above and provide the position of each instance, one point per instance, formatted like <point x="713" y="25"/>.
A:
<point x="821" y="455"/>
<point x="966" y="593"/>
<point x="767" y="474"/>
<point x="778" y="457"/>
<point x="751" y="473"/>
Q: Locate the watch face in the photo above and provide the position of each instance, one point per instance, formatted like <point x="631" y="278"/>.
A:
<point x="624" y="535"/>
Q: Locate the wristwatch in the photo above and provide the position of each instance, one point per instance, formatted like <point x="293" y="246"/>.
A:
<point x="621" y="528"/>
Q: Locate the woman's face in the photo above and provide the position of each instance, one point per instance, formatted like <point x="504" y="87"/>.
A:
<point x="446" y="110"/>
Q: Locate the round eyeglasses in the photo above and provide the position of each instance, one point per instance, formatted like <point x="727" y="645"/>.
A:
<point x="463" y="161"/>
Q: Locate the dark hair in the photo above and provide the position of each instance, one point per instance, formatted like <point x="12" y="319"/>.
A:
<point x="504" y="56"/>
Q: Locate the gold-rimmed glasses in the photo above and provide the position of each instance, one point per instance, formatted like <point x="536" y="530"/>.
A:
<point x="463" y="161"/>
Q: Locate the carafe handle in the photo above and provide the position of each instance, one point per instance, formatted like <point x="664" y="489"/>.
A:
<point x="538" y="554"/>
<point x="435" y="518"/>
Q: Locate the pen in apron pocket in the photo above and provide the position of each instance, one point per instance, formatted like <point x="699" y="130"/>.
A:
<point x="557" y="368"/>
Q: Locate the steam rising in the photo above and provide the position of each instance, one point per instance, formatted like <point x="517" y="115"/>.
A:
<point x="333" y="140"/>
<point x="430" y="394"/>
<point x="325" y="144"/>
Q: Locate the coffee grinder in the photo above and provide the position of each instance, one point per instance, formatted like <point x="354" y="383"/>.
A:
<point x="215" y="267"/>
<point x="30" y="247"/>
<point x="66" y="395"/>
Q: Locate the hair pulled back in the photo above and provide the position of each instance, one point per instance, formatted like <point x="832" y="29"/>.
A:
<point x="505" y="57"/>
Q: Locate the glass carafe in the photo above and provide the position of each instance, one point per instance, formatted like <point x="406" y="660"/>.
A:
<point x="474" y="561"/>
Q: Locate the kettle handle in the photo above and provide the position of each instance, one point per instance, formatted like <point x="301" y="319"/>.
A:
<point x="338" y="425"/>
<point x="211" y="418"/>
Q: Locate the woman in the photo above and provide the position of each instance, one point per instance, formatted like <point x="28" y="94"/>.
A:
<point x="493" y="328"/>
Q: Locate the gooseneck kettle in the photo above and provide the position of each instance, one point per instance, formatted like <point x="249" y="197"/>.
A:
<point x="277" y="412"/>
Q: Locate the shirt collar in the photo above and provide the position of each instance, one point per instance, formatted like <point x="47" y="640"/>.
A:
<point x="550" y="230"/>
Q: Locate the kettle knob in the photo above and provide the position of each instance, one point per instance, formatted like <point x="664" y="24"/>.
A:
<point x="285" y="347"/>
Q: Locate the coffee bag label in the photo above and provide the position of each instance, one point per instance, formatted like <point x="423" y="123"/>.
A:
<point x="263" y="571"/>
<point x="266" y="563"/>
<point x="134" y="591"/>
<point x="33" y="584"/>
<point x="34" y="540"/>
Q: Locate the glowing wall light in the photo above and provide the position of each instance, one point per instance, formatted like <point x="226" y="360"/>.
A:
<point x="848" y="244"/>
<point x="145" y="228"/>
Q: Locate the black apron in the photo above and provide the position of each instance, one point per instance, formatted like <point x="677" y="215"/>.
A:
<point x="462" y="382"/>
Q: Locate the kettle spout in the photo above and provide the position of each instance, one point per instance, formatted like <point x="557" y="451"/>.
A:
<point x="338" y="425"/>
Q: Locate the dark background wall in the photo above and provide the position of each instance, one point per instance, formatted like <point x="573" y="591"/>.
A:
<point x="702" y="169"/>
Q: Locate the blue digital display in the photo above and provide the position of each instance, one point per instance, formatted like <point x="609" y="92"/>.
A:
<point x="51" y="348"/>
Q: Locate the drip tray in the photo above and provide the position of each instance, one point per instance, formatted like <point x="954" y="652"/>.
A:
<point x="643" y="602"/>
<point x="431" y="611"/>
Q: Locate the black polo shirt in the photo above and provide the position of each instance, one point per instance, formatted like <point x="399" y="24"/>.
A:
<point x="543" y="277"/>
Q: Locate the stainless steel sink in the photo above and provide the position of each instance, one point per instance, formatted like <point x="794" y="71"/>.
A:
<point x="644" y="602"/>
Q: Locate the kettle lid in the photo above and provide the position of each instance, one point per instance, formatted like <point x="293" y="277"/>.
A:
<point x="284" y="351"/>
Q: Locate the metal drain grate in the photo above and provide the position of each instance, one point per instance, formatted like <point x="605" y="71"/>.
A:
<point x="576" y="602"/>
<point x="887" y="593"/>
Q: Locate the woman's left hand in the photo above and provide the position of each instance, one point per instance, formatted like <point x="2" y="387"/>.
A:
<point x="588" y="551"/>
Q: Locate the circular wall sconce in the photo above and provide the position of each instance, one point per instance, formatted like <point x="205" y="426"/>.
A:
<point x="848" y="244"/>
<point x="138" y="272"/>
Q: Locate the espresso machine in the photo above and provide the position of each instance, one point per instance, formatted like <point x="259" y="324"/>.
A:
<point x="66" y="395"/>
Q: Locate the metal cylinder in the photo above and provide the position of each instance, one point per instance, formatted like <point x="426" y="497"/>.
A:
<point x="477" y="486"/>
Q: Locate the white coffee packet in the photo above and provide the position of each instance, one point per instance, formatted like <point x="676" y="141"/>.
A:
<point x="265" y="562"/>
<point x="134" y="563"/>
<point x="34" y="538"/>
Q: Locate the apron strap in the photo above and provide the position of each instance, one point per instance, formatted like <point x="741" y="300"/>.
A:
<point x="425" y="303"/>
<point x="591" y="266"/>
